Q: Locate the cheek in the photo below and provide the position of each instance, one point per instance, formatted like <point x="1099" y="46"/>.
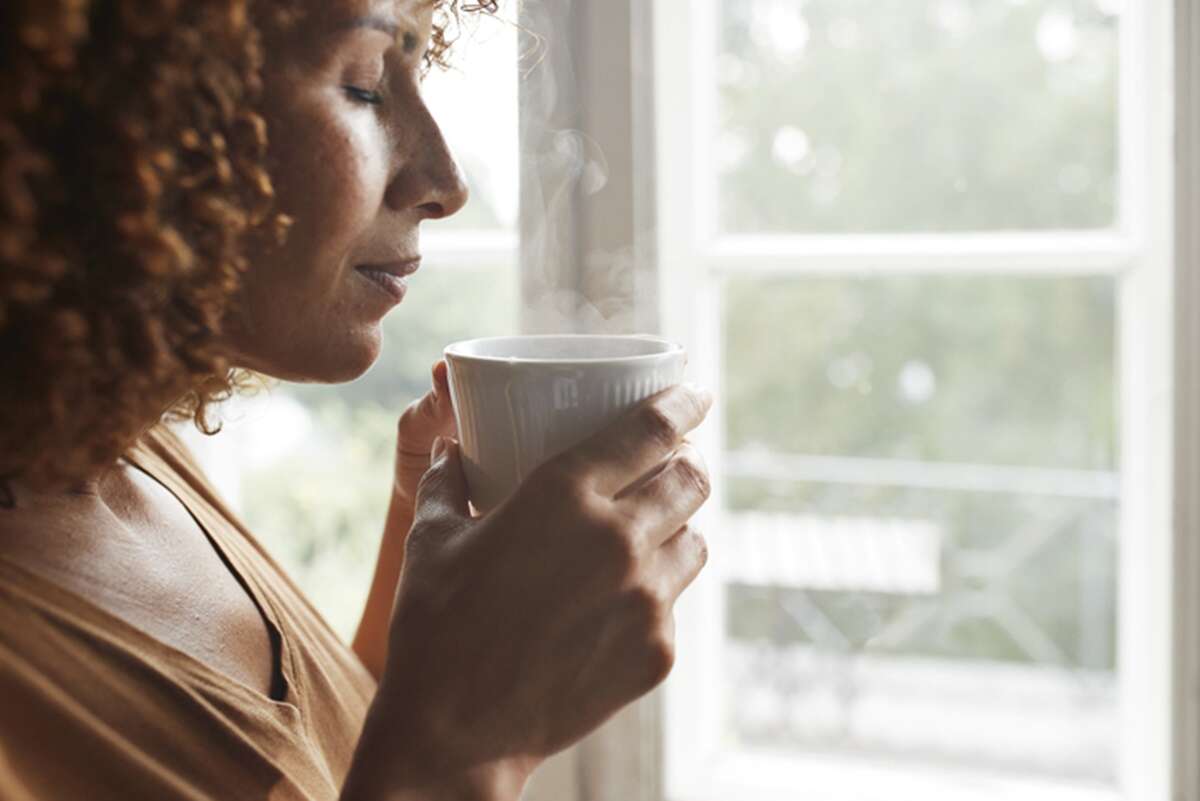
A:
<point x="331" y="175"/>
<point x="352" y="168"/>
<point x="355" y="158"/>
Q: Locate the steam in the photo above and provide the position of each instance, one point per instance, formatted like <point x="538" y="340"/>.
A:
<point x="580" y="265"/>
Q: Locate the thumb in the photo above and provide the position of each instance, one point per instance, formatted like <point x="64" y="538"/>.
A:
<point x="443" y="488"/>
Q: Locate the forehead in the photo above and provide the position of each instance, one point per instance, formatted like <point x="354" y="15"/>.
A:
<point x="402" y="19"/>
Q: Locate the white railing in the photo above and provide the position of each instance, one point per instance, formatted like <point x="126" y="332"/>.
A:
<point x="951" y="476"/>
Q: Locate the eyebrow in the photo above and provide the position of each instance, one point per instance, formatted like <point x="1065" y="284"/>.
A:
<point x="408" y="41"/>
<point x="390" y="27"/>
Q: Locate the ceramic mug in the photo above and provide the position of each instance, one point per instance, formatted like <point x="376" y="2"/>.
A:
<point x="520" y="400"/>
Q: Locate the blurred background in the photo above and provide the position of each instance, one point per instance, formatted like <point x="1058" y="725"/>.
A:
<point x="906" y="295"/>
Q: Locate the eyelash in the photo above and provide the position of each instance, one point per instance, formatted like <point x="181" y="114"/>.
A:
<point x="360" y="95"/>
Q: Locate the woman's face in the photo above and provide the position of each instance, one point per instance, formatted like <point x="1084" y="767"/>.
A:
<point x="358" y="163"/>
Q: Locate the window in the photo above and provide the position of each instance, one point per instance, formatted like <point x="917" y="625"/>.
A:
<point x="924" y="251"/>
<point x="915" y="239"/>
<point x="921" y="498"/>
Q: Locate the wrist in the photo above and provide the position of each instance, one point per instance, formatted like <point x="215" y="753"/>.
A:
<point x="398" y="761"/>
<point x="500" y="781"/>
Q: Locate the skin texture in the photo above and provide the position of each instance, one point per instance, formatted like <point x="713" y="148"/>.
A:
<point x="499" y="659"/>
<point x="489" y="660"/>
<point x="357" y="176"/>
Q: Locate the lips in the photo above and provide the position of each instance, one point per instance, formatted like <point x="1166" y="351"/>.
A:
<point x="390" y="277"/>
<point x="401" y="268"/>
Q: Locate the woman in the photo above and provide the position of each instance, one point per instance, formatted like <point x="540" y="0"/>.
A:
<point x="192" y="191"/>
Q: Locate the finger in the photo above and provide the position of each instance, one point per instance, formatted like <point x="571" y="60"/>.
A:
<point x="669" y="496"/>
<point x="441" y="390"/>
<point x="443" y="489"/>
<point x="641" y="439"/>
<point x="441" y="378"/>
<point x="437" y="404"/>
<point x="680" y="560"/>
<point x="424" y="420"/>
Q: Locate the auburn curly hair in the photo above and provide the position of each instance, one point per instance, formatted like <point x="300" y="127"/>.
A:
<point x="132" y="181"/>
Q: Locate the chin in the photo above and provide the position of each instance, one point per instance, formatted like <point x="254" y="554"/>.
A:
<point x="327" y="361"/>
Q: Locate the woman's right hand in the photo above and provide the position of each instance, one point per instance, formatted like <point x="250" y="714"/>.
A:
<point x="516" y="634"/>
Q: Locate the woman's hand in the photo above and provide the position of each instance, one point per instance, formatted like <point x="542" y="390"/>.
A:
<point x="516" y="634"/>
<point x="420" y="424"/>
<point x="424" y="420"/>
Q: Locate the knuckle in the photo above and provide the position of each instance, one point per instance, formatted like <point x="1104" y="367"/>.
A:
<point x="619" y="544"/>
<point x="695" y="405"/>
<point x="699" y="546"/>
<point x="702" y="552"/>
<point x="565" y="475"/>
<point x="410" y="411"/>
<point x="660" y="657"/>
<point x="430" y="481"/>
<point x="427" y="537"/>
<point x="560" y="480"/>
<point x="646" y="609"/>
<point x="693" y="473"/>
<point x="658" y="424"/>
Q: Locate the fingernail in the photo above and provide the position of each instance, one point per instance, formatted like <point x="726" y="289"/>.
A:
<point x="439" y="447"/>
<point x="436" y="383"/>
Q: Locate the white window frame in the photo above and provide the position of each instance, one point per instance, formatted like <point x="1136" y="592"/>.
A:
<point x="608" y="72"/>
<point x="1179" y="445"/>
<point x="586" y="84"/>
<point x="1158" y="718"/>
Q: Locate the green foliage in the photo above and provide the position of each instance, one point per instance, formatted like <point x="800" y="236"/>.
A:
<point x="321" y="513"/>
<point x="917" y="115"/>
<point x="841" y="116"/>
<point x="995" y="370"/>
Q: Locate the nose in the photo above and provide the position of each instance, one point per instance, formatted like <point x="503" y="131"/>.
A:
<point x="429" y="180"/>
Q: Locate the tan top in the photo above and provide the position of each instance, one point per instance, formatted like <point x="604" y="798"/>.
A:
<point x="93" y="708"/>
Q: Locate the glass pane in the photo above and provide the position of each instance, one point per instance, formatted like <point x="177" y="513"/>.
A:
<point x="1008" y="371"/>
<point x="919" y="545"/>
<point x="917" y="115"/>
<point x="475" y="102"/>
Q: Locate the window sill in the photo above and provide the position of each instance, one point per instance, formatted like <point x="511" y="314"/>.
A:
<point x="766" y="776"/>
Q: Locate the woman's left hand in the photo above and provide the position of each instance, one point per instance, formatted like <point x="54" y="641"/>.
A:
<point x="424" y="420"/>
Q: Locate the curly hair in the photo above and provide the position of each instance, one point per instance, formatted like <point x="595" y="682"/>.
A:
<point x="132" y="182"/>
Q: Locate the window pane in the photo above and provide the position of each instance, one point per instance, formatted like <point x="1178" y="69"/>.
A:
<point x="917" y="115"/>
<point x="920" y="525"/>
<point x="1007" y="371"/>
<point x="475" y="102"/>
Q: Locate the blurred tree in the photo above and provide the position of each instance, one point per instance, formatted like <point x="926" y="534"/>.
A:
<point x="917" y="115"/>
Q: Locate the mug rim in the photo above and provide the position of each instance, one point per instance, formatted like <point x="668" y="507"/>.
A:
<point x="454" y="350"/>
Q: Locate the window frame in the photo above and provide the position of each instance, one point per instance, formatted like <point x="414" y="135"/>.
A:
<point x="1181" y="500"/>
<point x="586" y="72"/>
<point x="626" y="62"/>
<point x="1158" y="667"/>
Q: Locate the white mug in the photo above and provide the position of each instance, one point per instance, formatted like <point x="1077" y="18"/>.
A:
<point x="521" y="400"/>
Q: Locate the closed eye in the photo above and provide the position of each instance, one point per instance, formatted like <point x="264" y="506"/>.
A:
<point x="360" y="95"/>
